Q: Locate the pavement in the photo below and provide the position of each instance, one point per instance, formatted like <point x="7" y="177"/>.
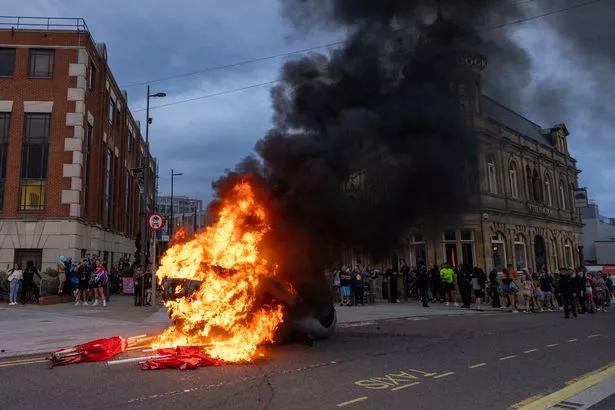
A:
<point x="43" y="329"/>
<point x="443" y="360"/>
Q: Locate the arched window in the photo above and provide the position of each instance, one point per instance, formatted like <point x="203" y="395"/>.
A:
<point x="514" y="180"/>
<point x="498" y="251"/>
<point x="548" y="190"/>
<point x="536" y="185"/>
<point x="520" y="252"/>
<point x="492" y="177"/>
<point x="562" y="196"/>
<point x="568" y="255"/>
<point x="530" y="184"/>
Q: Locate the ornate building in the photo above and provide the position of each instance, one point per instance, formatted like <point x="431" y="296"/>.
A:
<point x="524" y="211"/>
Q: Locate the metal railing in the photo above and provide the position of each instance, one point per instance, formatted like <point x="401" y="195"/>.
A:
<point x="43" y="23"/>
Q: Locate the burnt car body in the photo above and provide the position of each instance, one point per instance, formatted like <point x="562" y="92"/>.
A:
<point x="303" y="322"/>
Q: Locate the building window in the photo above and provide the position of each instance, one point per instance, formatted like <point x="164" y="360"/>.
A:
<point x="562" y="196"/>
<point x="529" y="183"/>
<point x="130" y="141"/>
<point x="548" y="191"/>
<point x="568" y="259"/>
<point x="7" y="62"/>
<point x="498" y="251"/>
<point x="5" y="121"/>
<point x="467" y="247"/>
<point x="108" y="172"/>
<point x="450" y="248"/>
<point x="418" y="251"/>
<point x="41" y="63"/>
<point x="88" y="158"/>
<point x="514" y="180"/>
<point x="520" y="252"/>
<point x="111" y="110"/>
<point x="92" y="78"/>
<point x="34" y="160"/>
<point x="492" y="176"/>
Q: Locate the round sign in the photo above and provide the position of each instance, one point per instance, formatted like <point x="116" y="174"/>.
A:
<point x="155" y="221"/>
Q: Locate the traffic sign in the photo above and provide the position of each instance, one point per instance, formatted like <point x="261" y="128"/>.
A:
<point x="155" y="221"/>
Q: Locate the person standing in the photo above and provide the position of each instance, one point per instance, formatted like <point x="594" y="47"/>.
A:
<point x="101" y="277"/>
<point x="448" y="281"/>
<point x="494" y="289"/>
<point x="28" y="282"/>
<point x="358" y="286"/>
<point x="422" y="281"/>
<point x="479" y="281"/>
<point x="566" y="290"/>
<point x="464" y="281"/>
<point x="435" y="282"/>
<point x="15" y="278"/>
<point x="345" y="286"/>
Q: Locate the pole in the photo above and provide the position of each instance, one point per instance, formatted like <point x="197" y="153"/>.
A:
<point x="171" y="222"/>
<point x="154" y="283"/>
<point x="145" y="195"/>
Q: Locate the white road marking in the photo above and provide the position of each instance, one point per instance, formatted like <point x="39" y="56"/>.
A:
<point x="553" y="345"/>
<point x="530" y="351"/>
<point x="507" y="357"/>
<point x="474" y="366"/>
<point x="346" y="403"/>
<point x="592" y="336"/>
<point x="443" y="375"/>
<point x="572" y="340"/>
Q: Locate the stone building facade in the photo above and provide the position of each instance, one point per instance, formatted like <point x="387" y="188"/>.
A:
<point x="70" y="150"/>
<point x="524" y="211"/>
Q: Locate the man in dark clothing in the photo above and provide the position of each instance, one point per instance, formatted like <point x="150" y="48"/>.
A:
<point x="28" y="282"/>
<point x="422" y="281"/>
<point x="464" y="281"/>
<point x="566" y="290"/>
<point x="435" y="282"/>
<point x="578" y="281"/>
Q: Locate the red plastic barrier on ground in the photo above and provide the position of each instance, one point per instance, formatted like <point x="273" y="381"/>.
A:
<point x="95" y="351"/>
<point x="182" y="358"/>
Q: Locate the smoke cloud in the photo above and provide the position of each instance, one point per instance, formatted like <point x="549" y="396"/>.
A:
<point x="369" y="140"/>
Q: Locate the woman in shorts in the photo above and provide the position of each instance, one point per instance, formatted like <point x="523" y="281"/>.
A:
<point x="528" y="291"/>
<point x="101" y="277"/>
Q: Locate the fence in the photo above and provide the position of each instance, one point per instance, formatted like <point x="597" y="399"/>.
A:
<point x="43" y="23"/>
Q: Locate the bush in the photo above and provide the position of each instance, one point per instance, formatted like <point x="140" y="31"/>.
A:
<point x="51" y="273"/>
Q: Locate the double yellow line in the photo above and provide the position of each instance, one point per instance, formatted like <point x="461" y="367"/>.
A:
<point x="22" y="362"/>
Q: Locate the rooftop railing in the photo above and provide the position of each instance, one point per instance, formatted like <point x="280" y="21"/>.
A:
<point x="43" y="23"/>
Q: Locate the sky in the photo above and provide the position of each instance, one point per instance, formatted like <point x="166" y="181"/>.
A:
<point x="148" y="40"/>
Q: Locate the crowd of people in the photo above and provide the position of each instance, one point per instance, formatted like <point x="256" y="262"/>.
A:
<point x="569" y="290"/>
<point x="86" y="280"/>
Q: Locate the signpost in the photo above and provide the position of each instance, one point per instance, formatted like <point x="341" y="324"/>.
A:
<point x="156" y="223"/>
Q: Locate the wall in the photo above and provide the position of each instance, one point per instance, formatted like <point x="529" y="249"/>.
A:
<point x="58" y="237"/>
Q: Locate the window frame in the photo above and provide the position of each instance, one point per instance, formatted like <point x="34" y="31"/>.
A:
<point x="5" y="129"/>
<point x="50" y="69"/>
<point x="513" y="175"/>
<point x="35" y="181"/>
<point x="492" y="176"/>
<point x="13" y="54"/>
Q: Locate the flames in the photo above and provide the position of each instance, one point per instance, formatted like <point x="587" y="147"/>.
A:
<point x="226" y="314"/>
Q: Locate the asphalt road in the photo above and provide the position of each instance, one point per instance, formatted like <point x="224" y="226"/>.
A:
<point x="464" y="362"/>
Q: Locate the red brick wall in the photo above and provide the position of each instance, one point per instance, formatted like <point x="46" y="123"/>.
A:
<point x="20" y="88"/>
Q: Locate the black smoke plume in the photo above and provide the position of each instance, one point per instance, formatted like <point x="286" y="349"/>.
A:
<point x="369" y="140"/>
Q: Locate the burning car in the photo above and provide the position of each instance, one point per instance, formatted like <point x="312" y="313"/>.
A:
<point x="302" y="324"/>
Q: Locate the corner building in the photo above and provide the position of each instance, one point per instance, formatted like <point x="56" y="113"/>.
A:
<point x="523" y="209"/>
<point x="70" y="150"/>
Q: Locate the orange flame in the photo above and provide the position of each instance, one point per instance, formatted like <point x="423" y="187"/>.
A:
<point x="223" y="315"/>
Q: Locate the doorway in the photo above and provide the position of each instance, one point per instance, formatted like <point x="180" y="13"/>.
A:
<point x="540" y="250"/>
<point x="22" y="256"/>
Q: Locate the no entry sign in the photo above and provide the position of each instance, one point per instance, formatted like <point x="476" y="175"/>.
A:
<point x="155" y="221"/>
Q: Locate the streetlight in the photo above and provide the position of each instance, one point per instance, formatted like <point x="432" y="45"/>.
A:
<point x="172" y="221"/>
<point x="145" y="193"/>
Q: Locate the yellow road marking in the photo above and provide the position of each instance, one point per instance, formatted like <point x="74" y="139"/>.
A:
<point x="443" y="375"/>
<point x="572" y="340"/>
<point x="530" y="351"/>
<point x="346" y="403"/>
<point x="592" y="336"/>
<point x="9" y="364"/>
<point x="553" y="345"/>
<point x="22" y="360"/>
<point x="406" y="385"/>
<point x="474" y="366"/>
<point x="422" y="372"/>
<point x="507" y="357"/>
<point x="578" y="385"/>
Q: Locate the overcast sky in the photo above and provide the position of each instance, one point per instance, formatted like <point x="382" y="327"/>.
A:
<point x="153" y="39"/>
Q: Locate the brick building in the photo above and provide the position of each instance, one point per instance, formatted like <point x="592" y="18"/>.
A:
<point x="70" y="150"/>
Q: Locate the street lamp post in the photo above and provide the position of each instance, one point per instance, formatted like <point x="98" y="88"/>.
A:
<point x="172" y="221"/>
<point x="145" y="193"/>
